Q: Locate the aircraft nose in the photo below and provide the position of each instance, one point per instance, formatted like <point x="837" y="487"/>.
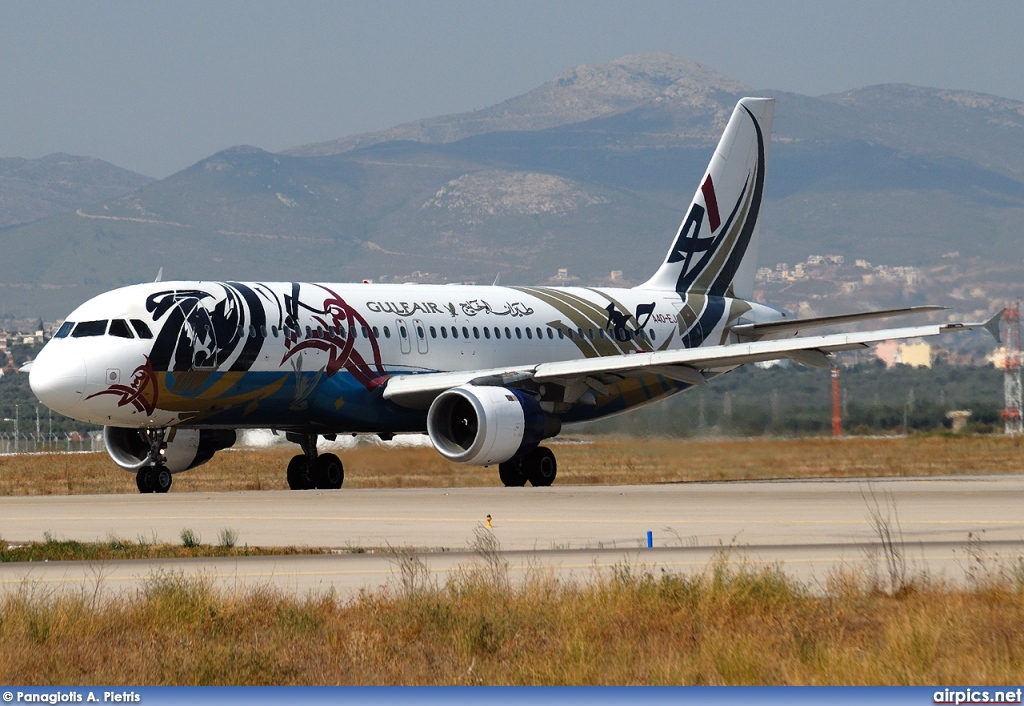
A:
<point x="58" y="381"/>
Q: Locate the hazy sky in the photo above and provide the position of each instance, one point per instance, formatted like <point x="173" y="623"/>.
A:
<point x="155" y="86"/>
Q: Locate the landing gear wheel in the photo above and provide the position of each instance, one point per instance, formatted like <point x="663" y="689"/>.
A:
<point x="328" y="472"/>
<point x="511" y="473"/>
<point x="162" y="480"/>
<point x="540" y="467"/>
<point x="146" y="480"/>
<point x="298" y="473"/>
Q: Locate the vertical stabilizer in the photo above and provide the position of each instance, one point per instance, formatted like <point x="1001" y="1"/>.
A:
<point x="715" y="249"/>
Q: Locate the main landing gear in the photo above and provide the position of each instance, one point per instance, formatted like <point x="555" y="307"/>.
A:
<point x="310" y="470"/>
<point x="538" y="467"/>
<point x="154" y="477"/>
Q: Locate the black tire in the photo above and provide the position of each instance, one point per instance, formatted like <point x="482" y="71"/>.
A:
<point x="149" y="479"/>
<point x="540" y="467"/>
<point x="298" y="473"/>
<point x="140" y="480"/>
<point x="328" y="472"/>
<point x="162" y="480"/>
<point x="511" y="473"/>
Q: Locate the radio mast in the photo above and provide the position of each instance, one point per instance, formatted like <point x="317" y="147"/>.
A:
<point x="1011" y="379"/>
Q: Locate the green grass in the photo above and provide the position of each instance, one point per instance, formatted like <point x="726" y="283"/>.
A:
<point x="115" y="549"/>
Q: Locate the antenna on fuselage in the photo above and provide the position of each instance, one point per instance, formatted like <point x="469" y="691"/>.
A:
<point x="497" y="279"/>
<point x="159" y="275"/>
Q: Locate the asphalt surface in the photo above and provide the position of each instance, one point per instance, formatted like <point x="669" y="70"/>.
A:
<point x="947" y="526"/>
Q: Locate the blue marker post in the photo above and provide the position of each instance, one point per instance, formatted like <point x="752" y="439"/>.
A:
<point x="650" y="539"/>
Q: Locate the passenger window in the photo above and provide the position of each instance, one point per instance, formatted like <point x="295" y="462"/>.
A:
<point x="529" y="333"/>
<point x="119" y="328"/>
<point x="590" y="334"/>
<point x="551" y="334"/>
<point x="652" y="335"/>
<point x="263" y="331"/>
<point x="519" y="332"/>
<point x="433" y="332"/>
<point x="376" y="332"/>
<point x="540" y="334"/>
<point x="252" y="331"/>
<point x="64" y="329"/>
<point x="366" y="333"/>
<point x="476" y="332"/>
<point x="444" y="332"/>
<point x="387" y="332"/>
<point x="273" y="331"/>
<point x="487" y="332"/>
<point x="87" y="329"/>
<point x="568" y="332"/>
<point x="508" y="334"/>
<point x="141" y="328"/>
<point x="600" y="333"/>
<point x="561" y="333"/>
<point x="455" y="331"/>
<point x="465" y="332"/>
<point x="419" y="332"/>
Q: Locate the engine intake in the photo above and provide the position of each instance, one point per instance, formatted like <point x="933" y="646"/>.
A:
<point x="486" y="425"/>
<point x="186" y="448"/>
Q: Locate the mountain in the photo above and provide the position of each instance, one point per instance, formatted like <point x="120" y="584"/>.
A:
<point x="31" y="189"/>
<point x="589" y="173"/>
<point x="585" y="92"/>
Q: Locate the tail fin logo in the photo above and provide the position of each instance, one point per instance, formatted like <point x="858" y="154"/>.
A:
<point x="708" y="190"/>
<point x="689" y="241"/>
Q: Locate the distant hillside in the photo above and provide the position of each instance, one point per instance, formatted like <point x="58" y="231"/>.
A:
<point x="582" y="93"/>
<point x="589" y="172"/>
<point x="31" y="189"/>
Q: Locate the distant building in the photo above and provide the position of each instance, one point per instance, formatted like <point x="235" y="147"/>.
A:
<point x="918" y="355"/>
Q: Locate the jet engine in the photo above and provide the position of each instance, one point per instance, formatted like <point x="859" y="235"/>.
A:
<point x="186" y="448"/>
<point x="486" y="425"/>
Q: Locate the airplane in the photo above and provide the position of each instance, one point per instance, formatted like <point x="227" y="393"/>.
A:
<point x="173" y="369"/>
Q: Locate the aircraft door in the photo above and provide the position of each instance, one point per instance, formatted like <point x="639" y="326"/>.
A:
<point x="403" y="336"/>
<point x="421" y="335"/>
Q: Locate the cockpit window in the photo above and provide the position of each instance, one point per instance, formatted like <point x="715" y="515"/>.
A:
<point x="89" y="328"/>
<point x="119" y="328"/>
<point x="141" y="328"/>
<point x="64" y="329"/>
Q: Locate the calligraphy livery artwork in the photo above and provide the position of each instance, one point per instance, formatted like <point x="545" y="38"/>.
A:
<point x="142" y="393"/>
<point x="335" y="327"/>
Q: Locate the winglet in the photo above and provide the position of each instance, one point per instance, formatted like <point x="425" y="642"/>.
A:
<point x="26" y="367"/>
<point x="992" y="325"/>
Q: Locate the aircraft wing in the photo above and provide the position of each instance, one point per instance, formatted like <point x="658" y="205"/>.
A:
<point x="418" y="391"/>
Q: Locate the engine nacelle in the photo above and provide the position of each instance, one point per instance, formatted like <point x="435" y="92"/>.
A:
<point x="485" y="425"/>
<point x="186" y="448"/>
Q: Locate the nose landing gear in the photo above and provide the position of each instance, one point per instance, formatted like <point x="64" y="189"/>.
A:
<point x="155" y="478"/>
<point x="311" y="470"/>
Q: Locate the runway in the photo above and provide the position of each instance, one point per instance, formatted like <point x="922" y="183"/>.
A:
<point x="944" y="525"/>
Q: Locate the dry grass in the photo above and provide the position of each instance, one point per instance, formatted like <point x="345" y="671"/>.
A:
<point x="602" y="461"/>
<point x="724" y="626"/>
